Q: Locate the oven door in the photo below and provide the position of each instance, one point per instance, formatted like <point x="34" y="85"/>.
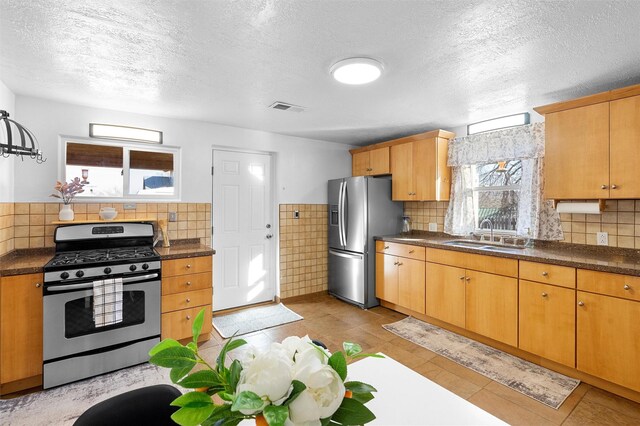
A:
<point x="69" y="328"/>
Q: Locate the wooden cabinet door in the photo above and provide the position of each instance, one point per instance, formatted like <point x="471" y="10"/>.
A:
<point x="547" y="321"/>
<point x="492" y="306"/>
<point x="360" y="163"/>
<point x="411" y="284"/>
<point x="379" y="161"/>
<point x="20" y="327"/>
<point x="445" y="289"/>
<point x="608" y="338"/>
<point x="576" y="162"/>
<point x="402" y="171"/>
<point x="387" y="278"/>
<point x="625" y="148"/>
<point x="425" y="170"/>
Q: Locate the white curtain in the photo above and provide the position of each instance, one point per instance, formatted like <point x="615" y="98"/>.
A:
<point x="536" y="217"/>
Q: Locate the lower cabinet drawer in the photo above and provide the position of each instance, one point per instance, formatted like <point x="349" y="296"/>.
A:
<point x="177" y="325"/>
<point x="182" y="283"/>
<point x="188" y="299"/>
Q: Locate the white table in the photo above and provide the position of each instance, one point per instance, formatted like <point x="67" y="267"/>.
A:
<point x="405" y="397"/>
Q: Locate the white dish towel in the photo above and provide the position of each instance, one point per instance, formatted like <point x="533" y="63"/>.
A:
<point x="107" y="302"/>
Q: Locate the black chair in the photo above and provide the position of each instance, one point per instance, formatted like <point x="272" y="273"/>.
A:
<point x="139" y="407"/>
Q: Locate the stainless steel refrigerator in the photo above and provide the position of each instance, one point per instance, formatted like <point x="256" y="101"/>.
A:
<point x="359" y="208"/>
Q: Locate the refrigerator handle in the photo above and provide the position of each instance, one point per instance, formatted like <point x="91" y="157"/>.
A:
<point x="340" y="213"/>
<point x="343" y="228"/>
<point x="347" y="255"/>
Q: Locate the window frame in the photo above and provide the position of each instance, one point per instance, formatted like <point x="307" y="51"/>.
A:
<point x="126" y="147"/>
<point x="504" y="188"/>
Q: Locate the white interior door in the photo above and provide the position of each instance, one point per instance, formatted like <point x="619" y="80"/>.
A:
<point x="243" y="231"/>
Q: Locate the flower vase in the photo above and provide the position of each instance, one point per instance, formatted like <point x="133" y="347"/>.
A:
<point x="66" y="213"/>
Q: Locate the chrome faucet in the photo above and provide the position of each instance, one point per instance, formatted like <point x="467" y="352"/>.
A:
<point x="487" y="220"/>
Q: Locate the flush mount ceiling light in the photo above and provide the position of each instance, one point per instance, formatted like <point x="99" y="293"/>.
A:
<point x="356" y="70"/>
<point x="110" y="131"/>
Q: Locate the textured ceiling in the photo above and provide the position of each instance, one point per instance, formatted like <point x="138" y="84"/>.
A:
<point x="447" y="63"/>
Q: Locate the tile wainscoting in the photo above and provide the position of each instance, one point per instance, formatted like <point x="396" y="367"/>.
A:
<point x="28" y="225"/>
<point x="620" y="219"/>
<point x="303" y="249"/>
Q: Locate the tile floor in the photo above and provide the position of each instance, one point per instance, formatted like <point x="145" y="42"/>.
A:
<point x="333" y="322"/>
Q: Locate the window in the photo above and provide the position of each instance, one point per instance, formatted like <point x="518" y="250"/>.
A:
<point x="496" y="193"/>
<point x="122" y="170"/>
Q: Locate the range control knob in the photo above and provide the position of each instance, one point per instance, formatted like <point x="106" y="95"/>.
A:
<point x="133" y="268"/>
<point x="64" y="275"/>
<point x="145" y="266"/>
<point x="107" y="270"/>
<point x="79" y="274"/>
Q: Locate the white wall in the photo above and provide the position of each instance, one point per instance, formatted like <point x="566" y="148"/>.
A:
<point x="303" y="166"/>
<point x="7" y="103"/>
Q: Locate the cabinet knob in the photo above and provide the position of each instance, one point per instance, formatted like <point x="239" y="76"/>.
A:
<point x="386" y="247"/>
<point x="545" y="274"/>
<point x="411" y="251"/>
<point x="580" y="303"/>
<point x="604" y="187"/>
<point x="614" y="186"/>
<point x="462" y="277"/>
<point x="399" y="263"/>
<point x="396" y="263"/>
<point x="544" y="294"/>
<point x="38" y="285"/>
<point x="188" y="266"/>
<point x="626" y="287"/>
<point x="188" y="317"/>
<point x="188" y="300"/>
<point x="468" y="279"/>
<point x="188" y="282"/>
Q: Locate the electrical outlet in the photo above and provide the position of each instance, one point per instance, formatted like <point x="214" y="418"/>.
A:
<point x="129" y="206"/>
<point x="173" y="216"/>
<point x="602" y="238"/>
<point x="296" y="214"/>
<point x="433" y="227"/>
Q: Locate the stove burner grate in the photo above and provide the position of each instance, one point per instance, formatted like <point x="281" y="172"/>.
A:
<point x="101" y="255"/>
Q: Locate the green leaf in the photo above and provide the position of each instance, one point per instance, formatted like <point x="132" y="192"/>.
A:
<point x="196" y="327"/>
<point x="352" y="412"/>
<point x="226" y="396"/>
<point x="298" y="387"/>
<point x="359" y="387"/>
<point x="234" y="373"/>
<point x="166" y="343"/>
<point x="275" y="415"/>
<point x="351" y="349"/>
<point x="192" y="346"/>
<point x="368" y="356"/>
<point x="362" y="397"/>
<point x="178" y="373"/>
<point x="175" y="356"/>
<point x="339" y="363"/>
<point x="192" y="400"/>
<point x="200" y="379"/>
<point x="192" y="416"/>
<point x="222" y="415"/>
<point x="228" y="347"/>
<point x="247" y="400"/>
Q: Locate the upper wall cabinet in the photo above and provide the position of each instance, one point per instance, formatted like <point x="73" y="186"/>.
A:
<point x="591" y="146"/>
<point x="418" y="165"/>
<point x="372" y="162"/>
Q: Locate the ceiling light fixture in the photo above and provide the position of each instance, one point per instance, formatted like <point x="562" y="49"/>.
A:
<point x="28" y="146"/>
<point x="356" y="70"/>
<point x="110" y="131"/>
<point x="498" y="123"/>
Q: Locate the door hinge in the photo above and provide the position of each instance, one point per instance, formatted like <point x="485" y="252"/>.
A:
<point x="211" y="170"/>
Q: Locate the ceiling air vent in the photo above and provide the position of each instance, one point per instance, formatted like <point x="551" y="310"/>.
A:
<point x="286" y="107"/>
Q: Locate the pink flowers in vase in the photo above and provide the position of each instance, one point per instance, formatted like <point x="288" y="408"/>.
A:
<point x="67" y="191"/>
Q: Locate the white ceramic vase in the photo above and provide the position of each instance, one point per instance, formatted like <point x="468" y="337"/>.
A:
<point x="65" y="212"/>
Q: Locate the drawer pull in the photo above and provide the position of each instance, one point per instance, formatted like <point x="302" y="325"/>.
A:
<point x="399" y="263"/>
<point x="626" y="287"/>
<point x="580" y="303"/>
<point x="188" y="282"/>
<point x="188" y="300"/>
<point x="411" y="251"/>
<point x="188" y="266"/>
<point x="396" y="263"/>
<point x="545" y="274"/>
<point x="38" y="285"/>
<point x="188" y="317"/>
<point x="386" y="247"/>
<point x="544" y="294"/>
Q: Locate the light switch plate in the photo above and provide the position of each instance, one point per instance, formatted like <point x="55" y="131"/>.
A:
<point x="173" y="216"/>
<point x="433" y="227"/>
<point x="602" y="238"/>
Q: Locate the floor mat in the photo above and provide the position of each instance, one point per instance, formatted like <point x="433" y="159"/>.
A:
<point x="254" y="319"/>
<point x="539" y="383"/>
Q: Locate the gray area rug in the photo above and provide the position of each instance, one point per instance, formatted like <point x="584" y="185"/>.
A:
<point x="254" y="319"/>
<point x="62" y="405"/>
<point x="539" y="383"/>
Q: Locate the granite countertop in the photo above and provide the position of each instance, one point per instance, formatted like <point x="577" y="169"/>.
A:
<point x="31" y="261"/>
<point x="598" y="258"/>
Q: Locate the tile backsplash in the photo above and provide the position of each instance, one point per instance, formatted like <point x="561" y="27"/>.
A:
<point x="29" y="225"/>
<point x="303" y="249"/>
<point x="424" y="212"/>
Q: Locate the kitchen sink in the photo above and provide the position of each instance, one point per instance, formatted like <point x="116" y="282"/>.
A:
<point x="484" y="245"/>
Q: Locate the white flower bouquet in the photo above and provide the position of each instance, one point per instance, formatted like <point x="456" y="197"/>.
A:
<point x="296" y="382"/>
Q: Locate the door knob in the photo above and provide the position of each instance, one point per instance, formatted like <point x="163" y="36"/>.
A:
<point x="268" y="225"/>
<point x="269" y="236"/>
